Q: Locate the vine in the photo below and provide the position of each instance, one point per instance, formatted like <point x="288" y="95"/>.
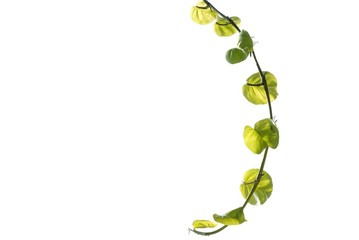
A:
<point x="261" y="88"/>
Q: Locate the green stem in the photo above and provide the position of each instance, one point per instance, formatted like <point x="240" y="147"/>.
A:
<point x="208" y="233"/>
<point x="258" y="178"/>
<point x="265" y="85"/>
<point x="255" y="185"/>
<point x="222" y="15"/>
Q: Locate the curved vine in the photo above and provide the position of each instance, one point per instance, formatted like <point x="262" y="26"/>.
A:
<point x="261" y="88"/>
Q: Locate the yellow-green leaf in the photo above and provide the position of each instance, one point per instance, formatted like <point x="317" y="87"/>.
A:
<point x="269" y="132"/>
<point x="254" y="90"/>
<point x="202" y="13"/>
<point x="203" y="224"/>
<point x="253" y="140"/>
<point x="224" y="28"/>
<point x="233" y="217"/>
<point x="263" y="190"/>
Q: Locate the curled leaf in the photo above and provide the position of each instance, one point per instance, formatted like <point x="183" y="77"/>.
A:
<point x="233" y="217"/>
<point x="202" y="13"/>
<point x="254" y="90"/>
<point x="245" y="41"/>
<point x="224" y="28"/>
<point x="203" y="224"/>
<point x="269" y="132"/>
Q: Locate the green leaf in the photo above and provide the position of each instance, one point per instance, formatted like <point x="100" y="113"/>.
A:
<point x="254" y="91"/>
<point x="253" y="140"/>
<point x="233" y="217"/>
<point x="224" y="28"/>
<point x="263" y="190"/>
<point x="202" y="13"/>
<point x="203" y="224"/>
<point x="267" y="129"/>
<point x="245" y="41"/>
<point x="236" y="55"/>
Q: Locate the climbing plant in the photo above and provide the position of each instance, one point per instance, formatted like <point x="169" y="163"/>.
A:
<point x="260" y="88"/>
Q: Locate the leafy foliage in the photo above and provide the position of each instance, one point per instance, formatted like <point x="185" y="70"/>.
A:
<point x="236" y="55"/>
<point x="245" y="41"/>
<point x="253" y="140"/>
<point x="233" y="217"/>
<point x="224" y="28"/>
<point x="264" y="134"/>
<point x="254" y="90"/>
<point x="262" y="192"/>
<point x="203" y="224"/>
<point x="268" y="131"/>
<point x="261" y="88"/>
<point x="202" y="13"/>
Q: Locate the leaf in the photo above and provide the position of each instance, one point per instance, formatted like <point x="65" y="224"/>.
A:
<point x="253" y="140"/>
<point x="254" y="91"/>
<point x="224" y="28"/>
<point x="202" y="13"/>
<point x="233" y="217"/>
<point x="236" y="55"/>
<point x="263" y="190"/>
<point x="245" y="41"/>
<point x="267" y="129"/>
<point x="203" y="224"/>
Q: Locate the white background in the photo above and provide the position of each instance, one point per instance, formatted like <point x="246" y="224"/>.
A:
<point x="122" y="120"/>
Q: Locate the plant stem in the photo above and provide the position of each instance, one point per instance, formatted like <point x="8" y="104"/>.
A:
<point x="222" y="15"/>
<point x="208" y="233"/>
<point x="265" y="85"/>
<point x="258" y="179"/>
<point x="255" y="185"/>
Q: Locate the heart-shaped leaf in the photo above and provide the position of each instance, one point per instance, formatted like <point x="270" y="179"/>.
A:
<point x="263" y="190"/>
<point x="254" y="90"/>
<point x="202" y="13"/>
<point x="233" y="217"/>
<point x="224" y="28"/>
<point x="253" y="140"/>
<point x="236" y="55"/>
<point x="267" y="129"/>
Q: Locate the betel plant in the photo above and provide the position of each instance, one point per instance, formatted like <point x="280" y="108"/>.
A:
<point x="260" y="88"/>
